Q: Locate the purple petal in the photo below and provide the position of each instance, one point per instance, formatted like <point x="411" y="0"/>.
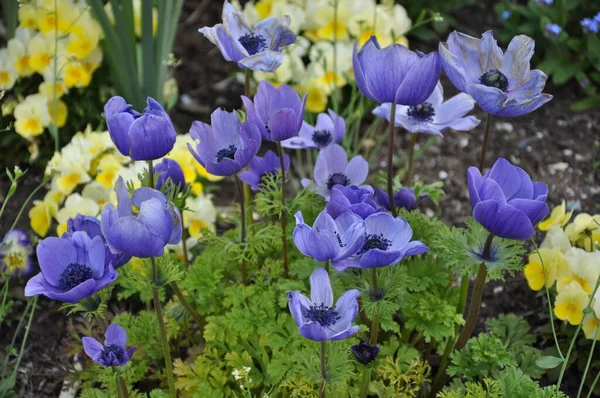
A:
<point x="535" y="210"/>
<point x="414" y="248"/>
<point x="320" y="288"/>
<point x="504" y="221"/>
<point x="454" y="108"/>
<point x="152" y="135"/>
<point x="155" y="218"/>
<point x="298" y="304"/>
<point x="380" y="258"/>
<point x="359" y="74"/>
<point x="515" y="62"/>
<point x="347" y="308"/>
<point x="490" y="190"/>
<point x="332" y="159"/>
<point x="345" y="334"/>
<point x="419" y="82"/>
<point x="54" y="255"/>
<point x="506" y="175"/>
<point x="282" y="125"/>
<point x="92" y="347"/>
<point x="490" y="55"/>
<point x="357" y="170"/>
<point x="313" y="331"/>
<point x="225" y="128"/>
<point x="115" y="334"/>
<point x="540" y="191"/>
<point x="475" y="180"/>
<point x="131" y="236"/>
<point x="490" y="99"/>
<point x="123" y="198"/>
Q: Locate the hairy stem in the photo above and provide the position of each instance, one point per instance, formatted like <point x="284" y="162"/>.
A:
<point x="411" y="159"/>
<point x="240" y="188"/>
<point x="123" y="387"/>
<point x="375" y="319"/>
<point x="282" y="216"/>
<point x="188" y="307"/>
<point x="390" y="160"/>
<point x="366" y="380"/>
<point x="151" y="175"/>
<point x="186" y="259"/>
<point x="486" y="136"/>
<point x="323" y="370"/>
<point x="589" y="362"/>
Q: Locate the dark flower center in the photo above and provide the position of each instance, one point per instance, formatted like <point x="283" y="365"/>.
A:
<point x="228" y="152"/>
<point x="494" y="78"/>
<point x="324" y="315"/>
<point x="422" y="113"/>
<point x="373" y="241"/>
<point x="73" y="275"/>
<point x="117" y="352"/>
<point x="364" y="352"/>
<point x="337" y="179"/>
<point x="322" y="138"/>
<point x="253" y="43"/>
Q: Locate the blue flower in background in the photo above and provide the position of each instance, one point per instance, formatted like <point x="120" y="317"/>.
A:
<point x="505" y="200"/>
<point x="505" y="14"/>
<point x="113" y="351"/>
<point x="256" y="48"/>
<point x="545" y="2"/>
<point x="590" y="25"/>
<point x="259" y="167"/>
<point x="387" y="242"/>
<point x="226" y="146"/>
<point x="169" y="169"/>
<point x="146" y="136"/>
<point x="501" y="83"/>
<point x="278" y="112"/>
<point x="72" y="268"/>
<point x="91" y="226"/>
<point x="146" y="232"/>
<point x="553" y="29"/>
<point x="434" y="115"/>
<point x="353" y="200"/>
<point x="394" y="73"/>
<point x="15" y="253"/>
<point x="329" y="239"/>
<point x="405" y="198"/>
<point x="317" y="318"/>
<point x="332" y="168"/>
<point x="329" y="129"/>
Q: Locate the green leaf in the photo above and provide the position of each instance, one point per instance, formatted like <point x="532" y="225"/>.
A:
<point x="585" y="104"/>
<point x="549" y="362"/>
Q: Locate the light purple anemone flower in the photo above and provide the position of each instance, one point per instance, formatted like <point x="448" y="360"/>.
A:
<point x="501" y="83"/>
<point x="332" y="168"/>
<point x="505" y="200"/>
<point x="72" y="268"/>
<point x="434" y="115"/>
<point x="16" y="251"/>
<point x="278" y="112"/>
<point x="353" y="200"/>
<point x="405" y="198"/>
<point x="317" y="318"/>
<point x="387" y="242"/>
<point x="329" y="129"/>
<point x="113" y="351"/>
<point x="394" y="73"/>
<point x="145" y="233"/>
<point x="256" y="48"/>
<point x="329" y="239"/>
<point x="259" y="167"/>
<point x="227" y="146"/>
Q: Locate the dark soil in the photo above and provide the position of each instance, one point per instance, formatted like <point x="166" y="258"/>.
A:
<point x="537" y="142"/>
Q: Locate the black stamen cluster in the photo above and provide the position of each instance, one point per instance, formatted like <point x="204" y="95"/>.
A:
<point x="322" y="138"/>
<point x="228" y="152"/>
<point x="374" y="241"/>
<point x="494" y="78"/>
<point x="324" y="315"/>
<point x="253" y="43"/>
<point x="422" y="113"/>
<point x="73" y="275"/>
<point x="337" y="179"/>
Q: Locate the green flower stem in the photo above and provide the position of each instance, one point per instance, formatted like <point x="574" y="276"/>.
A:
<point x="375" y="319"/>
<point x="161" y="327"/>
<point x="593" y="385"/>
<point x="151" y="174"/>
<point x="390" y="161"/>
<point x="323" y="370"/>
<point x="282" y="216"/>
<point x="123" y="387"/>
<point x="15" y="335"/>
<point x="31" y="195"/>
<point x="366" y="380"/>
<point x="27" y="329"/>
<point x="589" y="362"/>
<point x="240" y="188"/>
<point x="118" y="387"/>
<point x="327" y="263"/>
<point x="188" y="307"/>
<point x="411" y="159"/>
<point x="486" y="136"/>
<point x="186" y="260"/>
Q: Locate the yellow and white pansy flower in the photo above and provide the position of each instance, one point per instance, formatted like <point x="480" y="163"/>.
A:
<point x="43" y="211"/>
<point x="558" y="239"/>
<point x="201" y="214"/>
<point x="32" y="116"/>
<point x="8" y="73"/>
<point x="17" y="50"/>
<point x="75" y="204"/>
<point x="570" y="303"/>
<point x="583" y="268"/>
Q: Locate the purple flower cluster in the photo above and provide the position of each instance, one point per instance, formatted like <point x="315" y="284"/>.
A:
<point x="113" y="352"/>
<point x="591" y="25"/>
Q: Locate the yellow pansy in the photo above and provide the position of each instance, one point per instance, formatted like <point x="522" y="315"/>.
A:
<point x="570" y="303"/>
<point x="556" y="238"/>
<point x="40" y="215"/>
<point x="202" y="214"/>
<point x="75" y="204"/>
<point x="324" y="24"/>
<point x="582" y="268"/>
<point x="181" y="154"/>
<point x="93" y="61"/>
<point x="84" y="37"/>
<point x="61" y="19"/>
<point x="72" y="167"/>
<point x="316" y="101"/>
<point x="27" y="16"/>
<point x="32" y="116"/>
<point x="558" y="218"/>
<point x="51" y="89"/>
<point x="543" y="271"/>
<point x="41" y="52"/>
<point x="93" y="143"/>
<point x="17" y="50"/>
<point x="76" y="75"/>
<point x="108" y="170"/>
<point x="98" y="193"/>
<point x="197" y="188"/>
<point x="584" y="231"/>
<point x="591" y="322"/>
<point x="61" y="112"/>
<point x="388" y="23"/>
<point x="8" y="73"/>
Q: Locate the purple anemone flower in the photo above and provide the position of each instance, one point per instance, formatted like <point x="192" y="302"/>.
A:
<point x="364" y="352"/>
<point x="353" y="200"/>
<point x="405" y="198"/>
<point x="317" y="318"/>
<point x="146" y="136"/>
<point x="387" y="242"/>
<point x="277" y="112"/>
<point x="329" y="239"/>
<point x="73" y="268"/>
<point x="329" y="129"/>
<point x="505" y="200"/>
<point x="15" y="253"/>
<point x="256" y="48"/>
<point x="394" y="73"/>
<point x="145" y="233"/>
<point x="332" y="168"/>
<point x="434" y="115"/>
<point x="169" y="169"/>
<point x="590" y="25"/>
<point x="502" y="84"/>
<point x="553" y="29"/>
<point x="259" y="167"/>
<point x="113" y="351"/>
<point x="91" y="226"/>
<point x="227" y="146"/>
